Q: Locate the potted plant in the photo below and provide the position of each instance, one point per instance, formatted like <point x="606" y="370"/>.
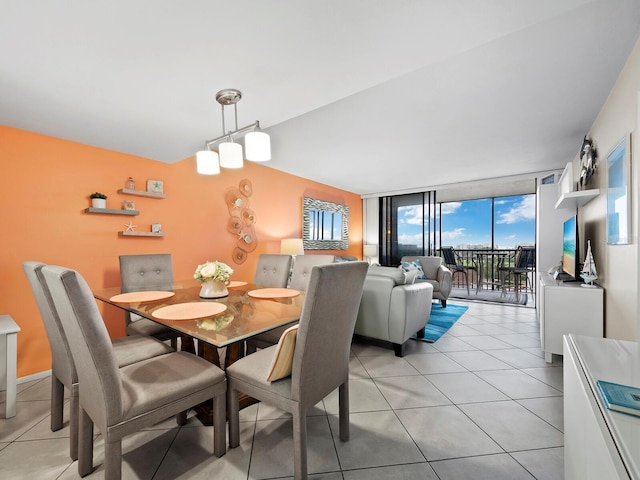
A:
<point x="98" y="200"/>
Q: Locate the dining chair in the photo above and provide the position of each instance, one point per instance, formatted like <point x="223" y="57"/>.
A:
<point x="127" y="350"/>
<point x="302" y="266"/>
<point x="320" y="362"/>
<point x="273" y="270"/>
<point x="300" y="275"/>
<point x="454" y="263"/>
<point x="121" y="401"/>
<point x="143" y="273"/>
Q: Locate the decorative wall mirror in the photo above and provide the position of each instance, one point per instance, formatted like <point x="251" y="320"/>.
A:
<point x="325" y="225"/>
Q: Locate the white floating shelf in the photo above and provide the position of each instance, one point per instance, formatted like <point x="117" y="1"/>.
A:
<point x="141" y="234"/>
<point x="141" y="193"/>
<point x="111" y="211"/>
<point x="577" y="199"/>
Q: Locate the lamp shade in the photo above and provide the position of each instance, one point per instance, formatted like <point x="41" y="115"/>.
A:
<point x="230" y="155"/>
<point x="207" y="162"/>
<point x="370" y="250"/>
<point x="257" y="146"/>
<point x="291" y="246"/>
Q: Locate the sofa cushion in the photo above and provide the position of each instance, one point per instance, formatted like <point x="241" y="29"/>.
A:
<point x="396" y="274"/>
<point x="414" y="265"/>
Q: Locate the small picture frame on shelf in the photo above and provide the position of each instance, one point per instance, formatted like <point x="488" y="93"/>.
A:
<point x="156" y="228"/>
<point x="128" y="205"/>
<point x="155" y="186"/>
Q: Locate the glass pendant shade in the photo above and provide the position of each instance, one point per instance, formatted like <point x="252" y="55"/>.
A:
<point x="207" y="162"/>
<point x="230" y="155"/>
<point x="257" y="146"/>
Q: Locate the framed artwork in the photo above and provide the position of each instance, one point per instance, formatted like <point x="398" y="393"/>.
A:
<point x="155" y="186"/>
<point x="156" y="228"/>
<point x="618" y="194"/>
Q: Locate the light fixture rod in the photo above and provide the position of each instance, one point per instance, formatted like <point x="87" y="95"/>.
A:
<point x="210" y="143"/>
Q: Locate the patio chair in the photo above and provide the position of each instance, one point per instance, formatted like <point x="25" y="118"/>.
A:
<point x="319" y="360"/>
<point x="524" y="263"/>
<point x="122" y="401"/>
<point x="454" y="263"/>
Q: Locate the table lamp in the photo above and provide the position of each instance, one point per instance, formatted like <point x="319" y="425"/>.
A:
<point x="291" y="246"/>
<point x="369" y="251"/>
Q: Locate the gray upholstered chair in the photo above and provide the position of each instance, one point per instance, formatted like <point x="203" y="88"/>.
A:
<point x="143" y="273"/>
<point x="302" y="266"/>
<point x="300" y="275"/>
<point x="121" y="401"/>
<point x="438" y="275"/>
<point x="320" y="361"/>
<point x="273" y="270"/>
<point x="127" y="350"/>
<point x="392" y="310"/>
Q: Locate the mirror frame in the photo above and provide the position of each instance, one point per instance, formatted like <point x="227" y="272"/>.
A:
<point x="309" y="204"/>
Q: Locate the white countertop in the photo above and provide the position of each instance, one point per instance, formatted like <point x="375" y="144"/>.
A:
<point x="615" y="361"/>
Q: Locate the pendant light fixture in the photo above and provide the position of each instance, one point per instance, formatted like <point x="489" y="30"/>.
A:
<point x="230" y="155"/>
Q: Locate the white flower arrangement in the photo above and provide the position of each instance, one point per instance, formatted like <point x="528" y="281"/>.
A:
<point x="216" y="271"/>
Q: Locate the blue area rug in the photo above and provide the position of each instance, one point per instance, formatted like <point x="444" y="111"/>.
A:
<point x="441" y="320"/>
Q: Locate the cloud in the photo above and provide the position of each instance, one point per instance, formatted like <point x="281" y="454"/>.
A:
<point x="520" y="212"/>
<point x="415" y="239"/>
<point x="450" y="207"/>
<point x="452" y="235"/>
<point x="412" y="215"/>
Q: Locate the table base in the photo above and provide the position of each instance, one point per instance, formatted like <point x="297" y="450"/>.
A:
<point x="235" y="351"/>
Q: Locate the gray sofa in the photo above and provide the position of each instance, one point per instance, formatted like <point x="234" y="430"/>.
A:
<point x="390" y="310"/>
<point x="438" y="275"/>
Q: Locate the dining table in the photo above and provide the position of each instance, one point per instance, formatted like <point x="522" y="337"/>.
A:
<point x="489" y="259"/>
<point x="248" y="310"/>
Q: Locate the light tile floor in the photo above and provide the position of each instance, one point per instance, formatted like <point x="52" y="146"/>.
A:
<point x="479" y="403"/>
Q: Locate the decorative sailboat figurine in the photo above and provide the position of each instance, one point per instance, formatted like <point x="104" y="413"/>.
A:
<point x="588" y="272"/>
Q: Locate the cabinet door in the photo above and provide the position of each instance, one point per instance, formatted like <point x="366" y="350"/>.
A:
<point x="589" y="450"/>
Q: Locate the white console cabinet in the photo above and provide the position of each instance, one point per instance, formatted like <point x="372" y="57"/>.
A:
<point x="599" y="443"/>
<point x="567" y="308"/>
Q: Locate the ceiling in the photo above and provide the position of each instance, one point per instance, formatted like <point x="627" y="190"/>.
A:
<point x="369" y="96"/>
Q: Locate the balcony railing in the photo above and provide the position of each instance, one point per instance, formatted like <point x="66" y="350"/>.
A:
<point x="487" y="263"/>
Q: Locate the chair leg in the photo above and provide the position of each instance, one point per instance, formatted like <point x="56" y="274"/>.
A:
<point x="398" y="348"/>
<point x="181" y="418"/>
<point x="443" y="303"/>
<point x="85" y="444"/>
<point x="466" y="280"/>
<point x="343" y="409"/>
<point x="300" y="445"/>
<point x="74" y="412"/>
<point x="57" y="403"/>
<point x="219" y="425"/>
<point x="234" y="417"/>
<point x="113" y="460"/>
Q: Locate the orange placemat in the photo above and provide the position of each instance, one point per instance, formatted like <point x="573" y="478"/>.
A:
<point x="189" y="311"/>
<point x="274" y="293"/>
<point x="236" y="283"/>
<point x="134" y="297"/>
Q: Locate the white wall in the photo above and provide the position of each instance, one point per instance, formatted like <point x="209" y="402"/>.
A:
<point x="617" y="264"/>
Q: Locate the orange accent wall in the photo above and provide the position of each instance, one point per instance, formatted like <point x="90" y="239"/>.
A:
<point x="45" y="185"/>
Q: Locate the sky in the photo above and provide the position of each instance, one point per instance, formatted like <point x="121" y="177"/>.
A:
<point x="467" y="224"/>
